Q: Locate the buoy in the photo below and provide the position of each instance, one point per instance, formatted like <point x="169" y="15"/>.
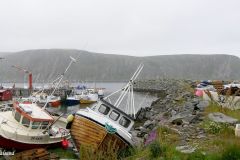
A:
<point x="199" y="93"/>
<point x="70" y="118"/>
<point x="64" y="143"/>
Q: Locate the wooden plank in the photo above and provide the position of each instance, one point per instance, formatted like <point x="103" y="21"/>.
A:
<point x="114" y="141"/>
<point x="86" y="138"/>
<point x="32" y="154"/>
<point x="88" y="128"/>
<point x="87" y="123"/>
<point x="89" y="133"/>
<point x="86" y="132"/>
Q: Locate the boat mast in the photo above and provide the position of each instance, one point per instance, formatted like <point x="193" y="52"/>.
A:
<point x="128" y="90"/>
<point x="60" y="79"/>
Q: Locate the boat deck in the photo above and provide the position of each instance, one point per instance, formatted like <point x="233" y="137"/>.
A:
<point x="35" y="111"/>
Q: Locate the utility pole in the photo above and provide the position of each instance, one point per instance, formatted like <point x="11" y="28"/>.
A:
<point x="1" y="58"/>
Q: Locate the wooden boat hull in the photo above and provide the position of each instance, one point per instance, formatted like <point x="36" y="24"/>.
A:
<point x="87" y="132"/>
<point x="83" y="101"/>
<point x="10" y="144"/>
<point x="71" y="102"/>
<point x="55" y="103"/>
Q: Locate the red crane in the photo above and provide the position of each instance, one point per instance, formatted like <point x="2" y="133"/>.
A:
<point x="29" y="75"/>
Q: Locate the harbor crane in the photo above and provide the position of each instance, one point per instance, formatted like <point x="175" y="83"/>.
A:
<point x="26" y="72"/>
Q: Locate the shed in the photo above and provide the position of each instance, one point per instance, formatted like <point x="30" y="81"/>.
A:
<point x="5" y="95"/>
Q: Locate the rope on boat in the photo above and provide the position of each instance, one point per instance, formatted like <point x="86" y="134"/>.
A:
<point x="110" y="129"/>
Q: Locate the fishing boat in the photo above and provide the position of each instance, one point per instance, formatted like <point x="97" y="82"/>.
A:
<point x="75" y="96"/>
<point x="100" y="92"/>
<point x="55" y="101"/>
<point x="42" y="98"/>
<point x="105" y="123"/>
<point x="81" y="96"/>
<point x="29" y="126"/>
<point x="88" y="96"/>
<point x="72" y="100"/>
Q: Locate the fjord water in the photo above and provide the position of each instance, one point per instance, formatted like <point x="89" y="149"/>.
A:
<point x="141" y="99"/>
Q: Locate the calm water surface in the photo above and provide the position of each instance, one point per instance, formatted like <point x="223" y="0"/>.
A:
<point x="141" y="99"/>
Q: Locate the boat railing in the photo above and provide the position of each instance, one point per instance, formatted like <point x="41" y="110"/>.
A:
<point x="5" y="107"/>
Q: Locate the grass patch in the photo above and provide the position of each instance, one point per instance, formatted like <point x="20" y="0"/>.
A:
<point x="167" y="136"/>
<point x="217" y="128"/>
<point x="63" y="153"/>
<point x="231" y="153"/>
<point x="222" y="145"/>
<point x="220" y="136"/>
<point x="157" y="150"/>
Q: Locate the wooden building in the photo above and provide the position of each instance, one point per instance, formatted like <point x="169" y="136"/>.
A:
<point x="5" y="95"/>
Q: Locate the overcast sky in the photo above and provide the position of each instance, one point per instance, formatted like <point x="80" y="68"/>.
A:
<point x="131" y="27"/>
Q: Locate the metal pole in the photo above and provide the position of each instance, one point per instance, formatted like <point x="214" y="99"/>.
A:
<point x="72" y="60"/>
<point x="1" y="58"/>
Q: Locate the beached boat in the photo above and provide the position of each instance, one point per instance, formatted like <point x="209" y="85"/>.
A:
<point x="106" y="124"/>
<point x="29" y="126"/>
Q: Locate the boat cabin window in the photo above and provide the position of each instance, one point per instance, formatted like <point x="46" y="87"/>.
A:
<point x="35" y="125"/>
<point x="104" y="109"/>
<point x="114" y="115"/>
<point x="25" y="122"/>
<point x="124" y="122"/>
<point x="17" y="116"/>
<point x="44" y="124"/>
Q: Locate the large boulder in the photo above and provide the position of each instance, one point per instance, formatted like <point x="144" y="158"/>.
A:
<point x="186" y="149"/>
<point x="182" y="117"/>
<point x="221" y="118"/>
<point x="149" y="124"/>
<point x="202" y="105"/>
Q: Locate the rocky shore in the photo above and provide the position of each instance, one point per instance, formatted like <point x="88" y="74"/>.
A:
<point x="176" y="108"/>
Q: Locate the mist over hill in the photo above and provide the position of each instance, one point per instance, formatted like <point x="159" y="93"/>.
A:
<point x="46" y="64"/>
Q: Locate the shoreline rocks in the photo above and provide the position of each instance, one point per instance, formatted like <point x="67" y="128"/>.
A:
<point x="176" y="107"/>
